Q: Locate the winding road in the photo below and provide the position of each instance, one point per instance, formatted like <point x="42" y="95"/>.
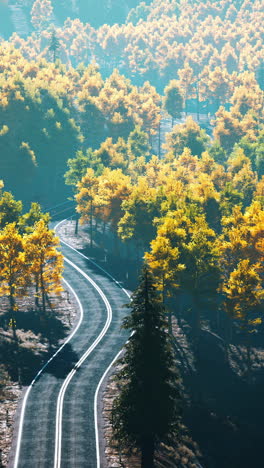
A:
<point x="58" y="424"/>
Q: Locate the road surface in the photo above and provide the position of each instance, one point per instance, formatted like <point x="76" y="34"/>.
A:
<point x="102" y="311"/>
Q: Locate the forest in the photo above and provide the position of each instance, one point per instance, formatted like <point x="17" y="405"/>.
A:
<point x="148" y="117"/>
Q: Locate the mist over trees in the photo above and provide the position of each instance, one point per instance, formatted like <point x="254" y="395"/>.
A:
<point x="149" y="116"/>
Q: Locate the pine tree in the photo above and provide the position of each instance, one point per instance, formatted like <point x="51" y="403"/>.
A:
<point x="10" y="209"/>
<point x="147" y="410"/>
<point x="173" y="100"/>
<point x="54" y="45"/>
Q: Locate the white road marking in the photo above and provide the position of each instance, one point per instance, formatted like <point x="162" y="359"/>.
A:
<point x="198" y="465"/>
<point x="57" y="456"/>
<point x="112" y="363"/>
<point x="20" y="430"/>
<point x="91" y="261"/>
<point x="96" y="405"/>
<point x="58" y="433"/>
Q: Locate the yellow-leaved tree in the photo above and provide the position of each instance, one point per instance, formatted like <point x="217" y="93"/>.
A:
<point x="44" y="261"/>
<point x="244" y="293"/>
<point x="242" y="240"/>
<point x="87" y="199"/>
<point x="164" y="263"/>
<point x="13" y="274"/>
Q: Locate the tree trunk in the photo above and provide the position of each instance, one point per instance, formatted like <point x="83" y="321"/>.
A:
<point x="76" y="225"/>
<point x="248" y="351"/>
<point x="12" y="312"/>
<point x="116" y="244"/>
<point x="37" y="294"/>
<point x="91" y="227"/>
<point x="248" y="347"/>
<point x="147" y="454"/>
<point x="198" y="100"/>
<point x="42" y="286"/>
<point x="229" y="329"/>
<point x="197" y="315"/>
<point x="96" y="224"/>
<point x="228" y="334"/>
<point x="159" y="139"/>
<point x="179" y="308"/>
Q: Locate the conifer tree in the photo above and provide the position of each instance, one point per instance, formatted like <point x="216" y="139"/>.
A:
<point x="173" y="101"/>
<point x="54" y="45"/>
<point x="10" y="209"/>
<point x="148" y="407"/>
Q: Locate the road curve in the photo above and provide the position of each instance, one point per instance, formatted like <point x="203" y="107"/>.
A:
<point x="77" y="438"/>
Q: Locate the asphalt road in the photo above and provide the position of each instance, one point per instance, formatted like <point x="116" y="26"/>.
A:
<point x="78" y="447"/>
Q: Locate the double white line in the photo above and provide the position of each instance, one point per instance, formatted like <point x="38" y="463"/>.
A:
<point x="22" y="416"/>
<point x="58" y="431"/>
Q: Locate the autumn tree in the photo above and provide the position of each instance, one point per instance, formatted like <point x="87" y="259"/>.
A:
<point x="86" y="199"/>
<point x="41" y="14"/>
<point x="140" y="209"/>
<point x="242" y="239"/>
<point x="227" y="130"/>
<point x="114" y="189"/>
<point x="13" y="273"/>
<point x="148" y="407"/>
<point x="244" y="294"/>
<point x="185" y="83"/>
<point x="201" y="274"/>
<point x="45" y="262"/>
<point x="165" y="256"/>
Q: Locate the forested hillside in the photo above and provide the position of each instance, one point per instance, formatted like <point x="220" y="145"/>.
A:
<point x="149" y="115"/>
<point x="61" y="84"/>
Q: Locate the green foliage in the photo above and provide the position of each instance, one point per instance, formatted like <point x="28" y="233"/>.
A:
<point x="217" y="152"/>
<point x="54" y="45"/>
<point x="229" y="198"/>
<point x="40" y="137"/>
<point x="78" y="167"/>
<point x="187" y="135"/>
<point x="28" y="220"/>
<point x="138" y="144"/>
<point x="148" y="407"/>
<point x="173" y="101"/>
<point x="10" y="209"/>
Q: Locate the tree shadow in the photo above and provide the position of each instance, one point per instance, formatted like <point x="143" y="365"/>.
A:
<point x="24" y="358"/>
<point x="49" y="326"/>
<point x="225" y="413"/>
<point x="121" y="270"/>
<point x="23" y="363"/>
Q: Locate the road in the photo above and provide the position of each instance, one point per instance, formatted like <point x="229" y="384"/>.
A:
<point x="102" y="311"/>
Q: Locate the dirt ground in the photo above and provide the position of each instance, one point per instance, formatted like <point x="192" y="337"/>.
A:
<point x="18" y="368"/>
